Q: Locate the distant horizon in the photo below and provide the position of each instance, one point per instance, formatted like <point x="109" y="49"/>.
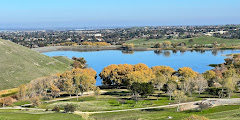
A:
<point x="27" y="14"/>
<point x="49" y="27"/>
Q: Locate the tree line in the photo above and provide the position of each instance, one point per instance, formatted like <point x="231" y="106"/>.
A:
<point x="221" y="81"/>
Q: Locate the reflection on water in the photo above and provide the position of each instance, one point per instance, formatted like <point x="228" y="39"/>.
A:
<point x="174" y="51"/>
<point x="215" y="52"/>
<point x="198" y="60"/>
<point x="128" y="52"/>
<point x="167" y="53"/>
<point x="158" y="52"/>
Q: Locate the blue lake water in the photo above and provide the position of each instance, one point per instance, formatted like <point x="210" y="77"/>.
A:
<point x="197" y="60"/>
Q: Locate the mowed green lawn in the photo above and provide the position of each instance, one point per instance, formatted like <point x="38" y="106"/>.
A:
<point x="231" y="112"/>
<point x="196" y="40"/>
<point x="105" y="103"/>
<point x="21" y="115"/>
<point x="110" y="101"/>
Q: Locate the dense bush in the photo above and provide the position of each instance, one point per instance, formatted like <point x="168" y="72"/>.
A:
<point x="56" y="109"/>
<point x="69" y="108"/>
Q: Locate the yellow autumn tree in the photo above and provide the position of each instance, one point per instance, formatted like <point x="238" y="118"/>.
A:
<point x="69" y="87"/>
<point x="101" y="44"/>
<point x="167" y="44"/>
<point x="187" y="81"/>
<point x="78" y="80"/>
<point x="165" y="71"/>
<point x="124" y="74"/>
<point x="86" y="43"/>
<point x="55" y="91"/>
<point x="163" y="74"/>
<point x="84" y="79"/>
<point x="22" y="91"/>
<point x="141" y="74"/>
<point x="187" y="72"/>
<point x="210" y="76"/>
<point x="116" y="74"/>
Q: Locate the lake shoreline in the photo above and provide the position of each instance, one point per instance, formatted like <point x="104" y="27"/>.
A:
<point x="197" y="60"/>
<point x="101" y="48"/>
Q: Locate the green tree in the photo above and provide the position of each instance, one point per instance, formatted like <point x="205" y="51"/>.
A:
<point x="158" y="45"/>
<point x="146" y="89"/>
<point x="230" y="85"/>
<point x="179" y="96"/>
<point x="143" y="89"/>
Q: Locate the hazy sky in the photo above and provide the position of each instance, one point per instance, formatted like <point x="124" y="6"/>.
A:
<point x="118" y="12"/>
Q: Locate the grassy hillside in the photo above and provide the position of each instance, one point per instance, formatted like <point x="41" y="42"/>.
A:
<point x="196" y="40"/>
<point x="19" y="65"/>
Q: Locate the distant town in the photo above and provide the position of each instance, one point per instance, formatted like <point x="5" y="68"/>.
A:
<point x="117" y="36"/>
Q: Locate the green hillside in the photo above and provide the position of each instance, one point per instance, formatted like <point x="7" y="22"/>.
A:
<point x="20" y="65"/>
<point x="196" y="40"/>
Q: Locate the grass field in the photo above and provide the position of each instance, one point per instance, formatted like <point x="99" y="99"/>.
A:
<point x="104" y="103"/>
<point x="20" y="65"/>
<point x="196" y="40"/>
<point x="27" y="115"/>
<point x="231" y="112"/>
<point x="110" y="101"/>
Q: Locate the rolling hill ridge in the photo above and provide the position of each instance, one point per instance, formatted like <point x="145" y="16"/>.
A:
<point x="20" y="65"/>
